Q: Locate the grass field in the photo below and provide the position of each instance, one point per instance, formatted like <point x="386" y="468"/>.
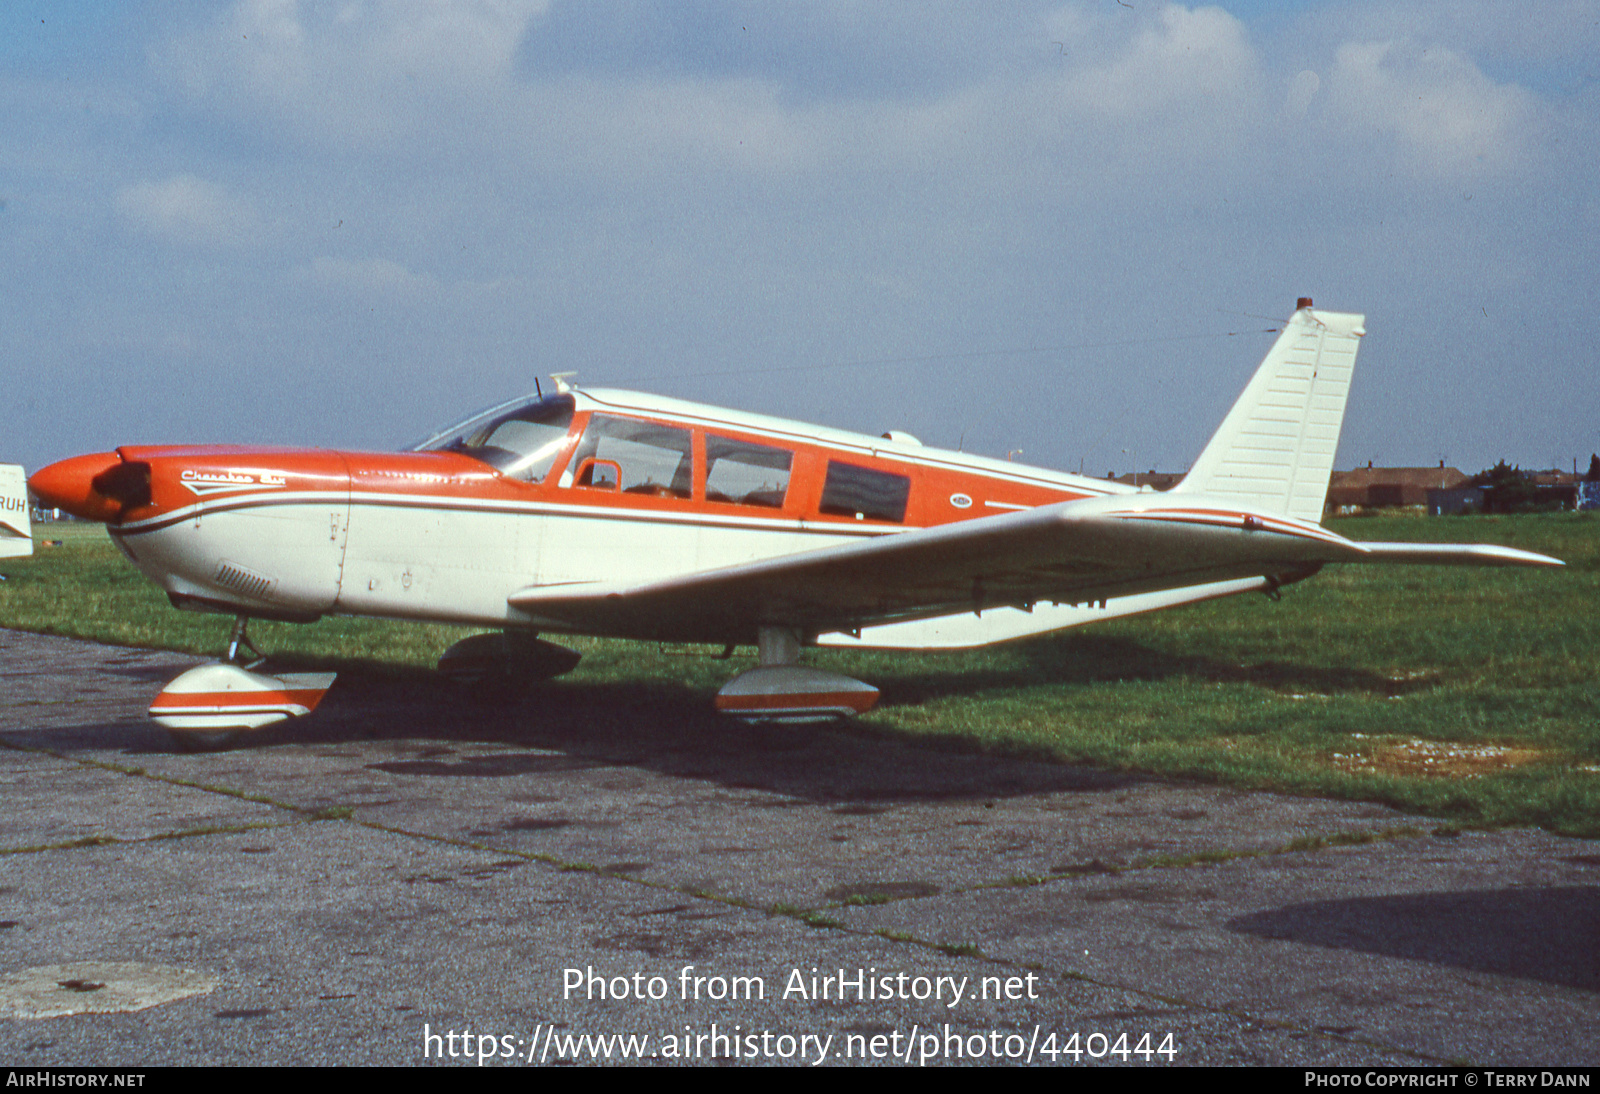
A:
<point x="1468" y="694"/>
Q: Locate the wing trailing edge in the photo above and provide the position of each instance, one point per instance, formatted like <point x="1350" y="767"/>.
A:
<point x="971" y="630"/>
<point x="1100" y="551"/>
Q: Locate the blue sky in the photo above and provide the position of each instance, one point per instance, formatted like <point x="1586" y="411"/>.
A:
<point x="1059" y="228"/>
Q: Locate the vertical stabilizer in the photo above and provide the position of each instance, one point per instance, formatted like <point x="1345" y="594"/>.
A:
<point x="1275" y="449"/>
<point x="16" y="530"/>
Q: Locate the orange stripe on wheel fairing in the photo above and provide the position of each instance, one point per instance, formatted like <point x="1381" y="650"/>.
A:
<point x="858" y="701"/>
<point x="179" y="701"/>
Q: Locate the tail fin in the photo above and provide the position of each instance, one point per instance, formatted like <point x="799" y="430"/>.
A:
<point x="1275" y="449"/>
<point x="16" y="532"/>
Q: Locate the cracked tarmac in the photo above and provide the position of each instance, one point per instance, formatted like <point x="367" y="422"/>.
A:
<point x="410" y="861"/>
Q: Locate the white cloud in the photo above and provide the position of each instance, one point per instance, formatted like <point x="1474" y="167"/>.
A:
<point x="1182" y="83"/>
<point x="649" y="124"/>
<point x="1132" y="92"/>
<point x="1446" y="116"/>
<point x="189" y="210"/>
<point x="1187" y="62"/>
<point x="385" y="281"/>
<point x="1548" y="33"/>
<point x="380" y="277"/>
<point x="1054" y="172"/>
<point x="359" y="71"/>
<point x="439" y="78"/>
<point x="1302" y="89"/>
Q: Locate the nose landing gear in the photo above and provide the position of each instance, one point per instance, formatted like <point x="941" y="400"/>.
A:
<point x="220" y="704"/>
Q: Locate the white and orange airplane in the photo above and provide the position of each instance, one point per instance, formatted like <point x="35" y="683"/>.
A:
<point x="603" y="512"/>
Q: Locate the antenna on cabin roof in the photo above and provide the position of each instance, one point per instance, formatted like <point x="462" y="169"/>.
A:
<point x="561" y="381"/>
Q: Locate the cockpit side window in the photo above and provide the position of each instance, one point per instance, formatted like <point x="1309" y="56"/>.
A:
<point x="655" y="460"/>
<point x="742" y="473"/>
<point x="521" y="440"/>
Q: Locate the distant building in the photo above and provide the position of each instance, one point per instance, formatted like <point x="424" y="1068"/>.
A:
<point x="1442" y="491"/>
<point x="1557" y="489"/>
<point x="1455" y="501"/>
<point x="1155" y="480"/>
<point x="1512" y="490"/>
<point x="1372" y="487"/>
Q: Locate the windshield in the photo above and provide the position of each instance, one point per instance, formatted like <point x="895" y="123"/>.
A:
<point x="520" y="438"/>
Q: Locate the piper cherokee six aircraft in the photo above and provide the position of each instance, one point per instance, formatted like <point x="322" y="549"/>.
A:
<point x="612" y="513"/>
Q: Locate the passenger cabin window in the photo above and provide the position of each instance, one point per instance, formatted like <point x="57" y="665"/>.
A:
<point x="864" y="493"/>
<point x="742" y="473"/>
<point x="521" y="439"/>
<point x="634" y="457"/>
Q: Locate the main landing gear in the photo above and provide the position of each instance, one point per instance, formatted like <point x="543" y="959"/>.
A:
<point x="782" y="690"/>
<point x="219" y="705"/>
<point x="506" y="658"/>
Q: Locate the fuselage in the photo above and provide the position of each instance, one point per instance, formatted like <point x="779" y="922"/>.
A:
<point x="601" y="486"/>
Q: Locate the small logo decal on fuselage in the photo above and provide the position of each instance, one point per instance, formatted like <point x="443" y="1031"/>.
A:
<point x="220" y="482"/>
<point x="961" y="501"/>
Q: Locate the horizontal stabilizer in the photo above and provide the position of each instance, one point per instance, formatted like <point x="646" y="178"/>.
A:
<point x="1454" y="554"/>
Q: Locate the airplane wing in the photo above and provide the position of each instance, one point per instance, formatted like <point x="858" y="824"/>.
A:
<point x="1119" y="548"/>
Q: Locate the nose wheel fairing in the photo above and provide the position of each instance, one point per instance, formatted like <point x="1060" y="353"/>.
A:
<point x="221" y="696"/>
<point x="215" y="705"/>
<point x="220" y="704"/>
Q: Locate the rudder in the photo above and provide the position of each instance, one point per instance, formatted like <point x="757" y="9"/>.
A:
<point x="16" y="530"/>
<point x="1275" y="449"/>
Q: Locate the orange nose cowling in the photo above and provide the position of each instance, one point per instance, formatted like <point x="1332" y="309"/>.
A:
<point x="69" y="485"/>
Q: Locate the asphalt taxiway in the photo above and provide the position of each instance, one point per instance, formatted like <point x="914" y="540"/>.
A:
<point x="417" y="875"/>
